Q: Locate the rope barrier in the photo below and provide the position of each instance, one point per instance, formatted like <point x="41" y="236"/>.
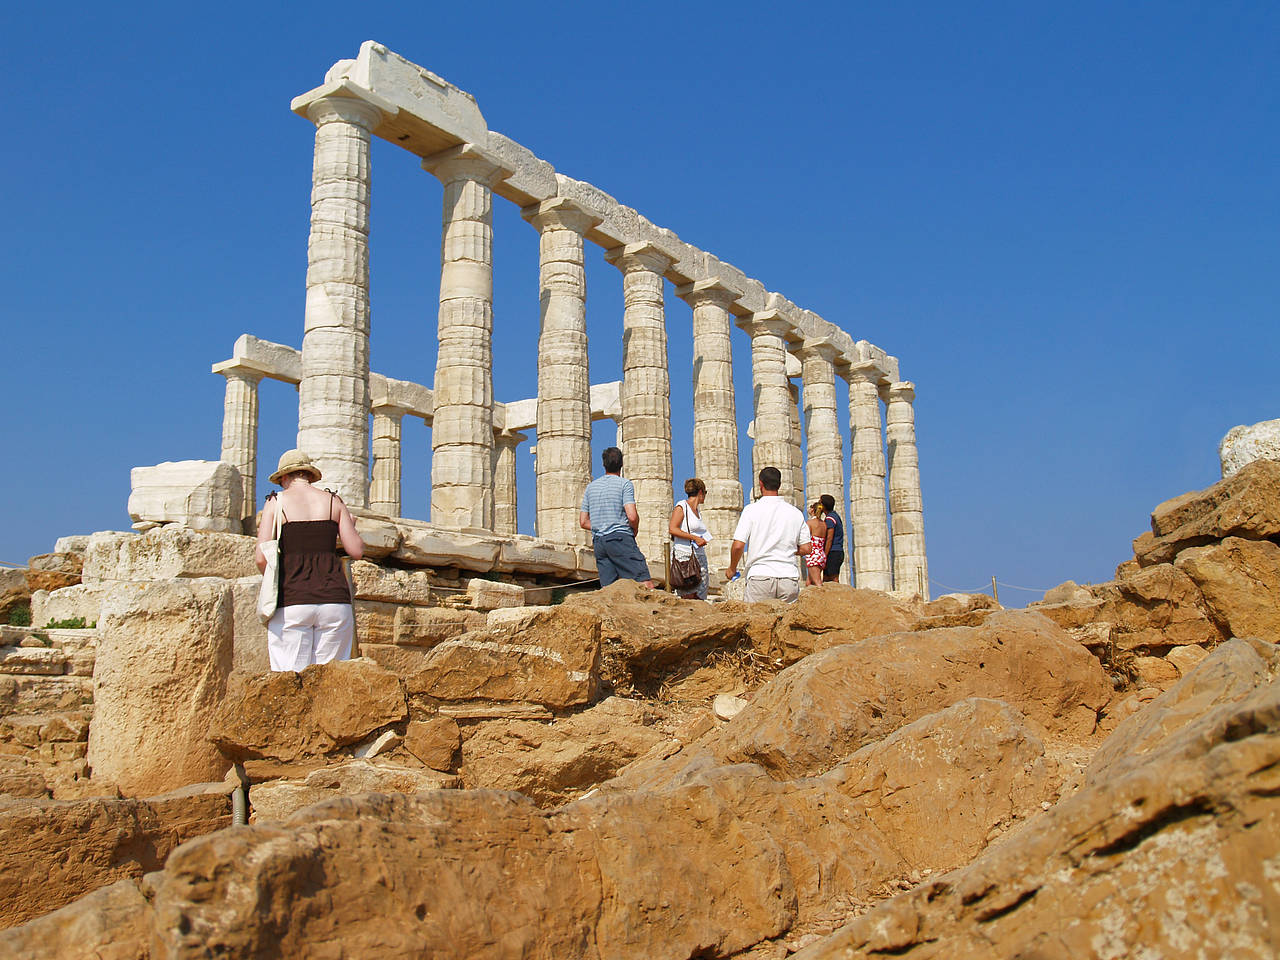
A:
<point x="6" y="563"/>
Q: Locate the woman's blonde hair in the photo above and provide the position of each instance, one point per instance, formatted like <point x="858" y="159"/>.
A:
<point x="816" y="509"/>
<point x="693" y="486"/>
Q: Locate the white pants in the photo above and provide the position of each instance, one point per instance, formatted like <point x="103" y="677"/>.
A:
<point x="305" y="633"/>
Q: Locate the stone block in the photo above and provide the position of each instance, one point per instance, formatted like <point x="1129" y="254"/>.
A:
<point x="32" y="661"/>
<point x="402" y="661"/>
<point x="380" y="536"/>
<point x="434" y="741"/>
<point x="51" y="571"/>
<point x="423" y="545"/>
<point x="249" y="644"/>
<point x="486" y="595"/>
<point x="531" y="555"/>
<point x="82" y="600"/>
<point x="164" y="654"/>
<point x="77" y="543"/>
<point x="428" y="626"/>
<point x="390" y="585"/>
<point x="200" y="494"/>
<point x="1246" y="504"/>
<point x="21" y="694"/>
<point x="375" y="621"/>
<point x="168" y="553"/>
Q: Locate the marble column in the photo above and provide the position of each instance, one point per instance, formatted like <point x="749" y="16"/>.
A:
<point x="385" y="491"/>
<point x="868" y="522"/>
<point x="772" y="390"/>
<point x="505" y="516"/>
<point x="906" y="508"/>
<point x="564" y="383"/>
<point x="824" y="464"/>
<point x="333" y="393"/>
<point x="715" y="425"/>
<point x="645" y="425"/>
<point x="462" y="427"/>
<point x="797" y="448"/>
<point x="240" y="430"/>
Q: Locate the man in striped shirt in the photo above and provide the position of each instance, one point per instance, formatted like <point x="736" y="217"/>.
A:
<point x="609" y="512"/>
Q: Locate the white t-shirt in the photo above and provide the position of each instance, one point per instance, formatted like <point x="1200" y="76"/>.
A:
<point x="694" y="524"/>
<point x="772" y="529"/>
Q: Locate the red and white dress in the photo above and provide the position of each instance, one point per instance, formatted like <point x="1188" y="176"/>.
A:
<point x="818" y="555"/>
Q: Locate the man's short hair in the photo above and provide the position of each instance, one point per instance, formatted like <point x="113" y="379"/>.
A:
<point x="612" y="460"/>
<point x="828" y="502"/>
<point x="771" y="479"/>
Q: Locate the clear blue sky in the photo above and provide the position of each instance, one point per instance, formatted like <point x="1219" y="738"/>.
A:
<point x="1063" y="218"/>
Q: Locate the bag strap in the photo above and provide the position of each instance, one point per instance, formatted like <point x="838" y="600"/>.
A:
<point x="279" y="521"/>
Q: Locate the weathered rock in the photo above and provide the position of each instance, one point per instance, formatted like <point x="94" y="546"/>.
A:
<point x="84" y="600"/>
<point x="166" y="553"/>
<point x="281" y="720"/>
<point x="13" y="591"/>
<point x="845" y="697"/>
<point x="381" y="538"/>
<point x="249" y="634"/>
<point x="52" y="571"/>
<point x="553" y="661"/>
<point x="836" y="614"/>
<point x="486" y="595"/>
<point x="1244" y="444"/>
<point x="1067" y="592"/>
<point x="552" y="763"/>
<point x="1246" y="504"/>
<point x="1185" y="658"/>
<point x="1240" y="582"/>
<point x="375" y="621"/>
<point x="957" y="610"/>
<point x="280" y="799"/>
<point x="424" y="545"/>
<point x="17" y="779"/>
<point x="1155" y="672"/>
<point x="112" y="923"/>
<point x="390" y="585"/>
<point x="726" y="707"/>
<point x="52" y="852"/>
<point x="428" y="626"/>
<point x="1171" y="855"/>
<point x="164" y="654"/>
<point x="200" y="494"/>
<point x="434" y="741"/>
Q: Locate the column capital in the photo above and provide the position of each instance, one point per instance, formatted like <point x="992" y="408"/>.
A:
<point x="346" y="109"/>
<point x="391" y="410"/>
<point x="867" y="371"/>
<point x="559" y="213"/>
<point x="766" y="323"/>
<point x="710" y="290"/>
<point x="639" y="256"/>
<point x="466" y="161"/>
<point x="240" y="370"/>
<point x="903" y="390"/>
<point x="818" y="348"/>
<point x="509" y="438"/>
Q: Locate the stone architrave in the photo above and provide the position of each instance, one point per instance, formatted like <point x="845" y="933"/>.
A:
<point x="906" y="508"/>
<point x="240" y="429"/>
<point x="564" y="383"/>
<point x="868" y="521"/>
<point x="797" y="447"/>
<point x="824" y="468"/>
<point x="645" y="426"/>
<point x="715" y="424"/>
<point x="772" y="447"/>
<point x="385" y="490"/>
<point x="462" y="424"/>
<point x="333" y="393"/>
<point x="505" y="516"/>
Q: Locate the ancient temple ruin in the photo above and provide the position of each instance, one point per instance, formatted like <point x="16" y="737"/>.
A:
<point x="474" y="438"/>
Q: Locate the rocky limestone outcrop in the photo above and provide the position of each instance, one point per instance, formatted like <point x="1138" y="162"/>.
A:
<point x="163" y="657"/>
<point x="1171" y="850"/>
<point x="1247" y="443"/>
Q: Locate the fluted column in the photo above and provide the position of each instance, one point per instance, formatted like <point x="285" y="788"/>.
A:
<point x="797" y="447"/>
<point x="868" y="523"/>
<point x="385" y="491"/>
<point x="505" y="516"/>
<point x="333" y="393"/>
<point x="240" y="430"/>
<point x="824" y="464"/>
<point x="772" y="389"/>
<point x="564" y="383"/>
<point x="462" y="425"/>
<point x="645" y="427"/>
<point x="715" y="425"/>
<point x="906" y="508"/>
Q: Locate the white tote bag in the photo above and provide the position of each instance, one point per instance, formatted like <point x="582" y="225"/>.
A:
<point x="269" y="592"/>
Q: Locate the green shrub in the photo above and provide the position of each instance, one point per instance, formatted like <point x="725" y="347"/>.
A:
<point x="71" y="623"/>
<point x="20" y="615"/>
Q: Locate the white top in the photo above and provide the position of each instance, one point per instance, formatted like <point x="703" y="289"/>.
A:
<point x="692" y="523"/>
<point x="772" y="529"/>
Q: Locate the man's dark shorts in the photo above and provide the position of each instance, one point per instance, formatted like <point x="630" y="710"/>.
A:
<point x="835" y="560"/>
<point x="618" y="558"/>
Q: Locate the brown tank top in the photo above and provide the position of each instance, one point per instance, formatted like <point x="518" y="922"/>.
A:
<point x="310" y="569"/>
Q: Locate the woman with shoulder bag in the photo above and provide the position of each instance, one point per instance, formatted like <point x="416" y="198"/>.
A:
<point x="689" y="535"/>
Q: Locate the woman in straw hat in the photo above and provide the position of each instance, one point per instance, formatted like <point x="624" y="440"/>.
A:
<point x="313" y="622"/>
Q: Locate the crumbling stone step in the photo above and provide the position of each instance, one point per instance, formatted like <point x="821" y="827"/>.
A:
<point x="40" y="661"/>
<point x="21" y="694"/>
<point x="31" y="730"/>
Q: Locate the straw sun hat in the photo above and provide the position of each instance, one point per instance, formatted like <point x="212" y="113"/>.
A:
<point x="294" y="461"/>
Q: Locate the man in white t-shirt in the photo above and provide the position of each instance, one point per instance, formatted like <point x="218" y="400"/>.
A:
<point x="773" y="533"/>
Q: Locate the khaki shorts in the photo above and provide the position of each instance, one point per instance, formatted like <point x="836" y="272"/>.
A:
<point x="771" y="588"/>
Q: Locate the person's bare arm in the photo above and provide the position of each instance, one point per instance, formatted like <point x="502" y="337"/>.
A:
<point x="633" y="516"/>
<point x="804" y="549"/>
<point x="266" y="528"/>
<point x="675" y="524"/>
<point x="735" y="557"/>
<point x="584" y="520"/>
<point x="351" y="541"/>
<point x="831" y="535"/>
